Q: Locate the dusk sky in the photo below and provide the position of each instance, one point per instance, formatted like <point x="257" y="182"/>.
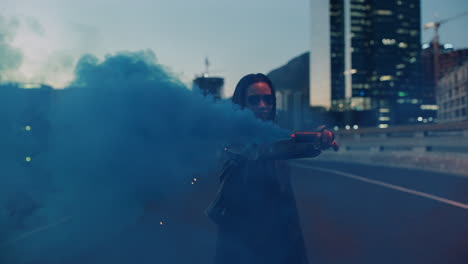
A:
<point x="239" y="37"/>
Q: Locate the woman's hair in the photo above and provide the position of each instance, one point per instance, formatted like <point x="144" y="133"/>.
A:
<point x="240" y="94"/>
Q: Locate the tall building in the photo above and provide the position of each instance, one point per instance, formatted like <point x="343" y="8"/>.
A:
<point x="337" y="49"/>
<point x="449" y="58"/>
<point x="209" y="85"/>
<point x="452" y="95"/>
<point x="374" y="57"/>
<point x="291" y="82"/>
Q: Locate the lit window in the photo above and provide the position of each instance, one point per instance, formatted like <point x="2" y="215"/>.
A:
<point x="402" y="31"/>
<point x="384" y="12"/>
<point x="402" y="45"/>
<point x="386" y="41"/>
<point x="384" y="118"/>
<point x="384" y="78"/>
<point x="383" y="125"/>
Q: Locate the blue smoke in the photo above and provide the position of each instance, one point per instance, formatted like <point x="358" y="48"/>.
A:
<point x="129" y="145"/>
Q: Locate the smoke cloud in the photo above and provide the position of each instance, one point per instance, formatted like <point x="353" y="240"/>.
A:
<point x="127" y="141"/>
<point x="11" y="57"/>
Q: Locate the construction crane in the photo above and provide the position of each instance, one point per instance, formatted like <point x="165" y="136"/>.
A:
<point x="435" y="41"/>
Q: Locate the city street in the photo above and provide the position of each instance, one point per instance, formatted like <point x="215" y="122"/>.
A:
<point x="398" y="218"/>
<point x="350" y="214"/>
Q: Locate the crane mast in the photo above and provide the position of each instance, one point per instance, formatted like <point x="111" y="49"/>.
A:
<point x="435" y="43"/>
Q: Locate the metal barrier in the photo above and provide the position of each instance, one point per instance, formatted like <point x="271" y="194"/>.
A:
<point x="436" y="147"/>
<point x="436" y="138"/>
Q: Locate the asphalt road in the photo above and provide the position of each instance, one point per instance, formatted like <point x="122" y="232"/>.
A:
<point x="349" y="213"/>
<point x="369" y="214"/>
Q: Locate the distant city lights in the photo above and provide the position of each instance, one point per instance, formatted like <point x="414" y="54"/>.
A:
<point x="336" y="128"/>
<point x="383" y="125"/>
<point x="403" y="45"/>
<point x="27" y="128"/>
<point x="355" y="127"/>
<point x="28" y="159"/>
<point x="384" y="78"/>
<point x="386" y="41"/>
<point x="420" y="119"/>
<point x="448" y="46"/>
<point x="429" y="107"/>
<point x="347" y="127"/>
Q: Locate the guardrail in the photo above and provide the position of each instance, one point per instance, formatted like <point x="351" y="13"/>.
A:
<point x="443" y="138"/>
<point x="434" y="147"/>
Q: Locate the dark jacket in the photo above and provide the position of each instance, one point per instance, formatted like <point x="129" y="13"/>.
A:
<point x="255" y="209"/>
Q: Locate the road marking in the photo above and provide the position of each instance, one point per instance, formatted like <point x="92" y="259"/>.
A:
<point x="388" y="185"/>
<point x="37" y="230"/>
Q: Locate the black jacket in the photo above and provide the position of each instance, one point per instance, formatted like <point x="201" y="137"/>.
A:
<point x="255" y="209"/>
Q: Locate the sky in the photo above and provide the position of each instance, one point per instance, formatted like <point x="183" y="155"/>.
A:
<point x="238" y="37"/>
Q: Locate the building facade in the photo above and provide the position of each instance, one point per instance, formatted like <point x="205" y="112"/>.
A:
<point x="209" y="85"/>
<point x="452" y="95"/>
<point x="449" y="59"/>
<point x="374" y="58"/>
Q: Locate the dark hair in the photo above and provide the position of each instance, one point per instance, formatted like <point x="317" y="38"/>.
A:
<point x="240" y="93"/>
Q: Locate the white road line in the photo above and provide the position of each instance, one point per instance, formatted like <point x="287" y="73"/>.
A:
<point x="37" y="230"/>
<point x="388" y="185"/>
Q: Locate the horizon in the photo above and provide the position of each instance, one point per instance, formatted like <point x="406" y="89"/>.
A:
<point x="181" y="35"/>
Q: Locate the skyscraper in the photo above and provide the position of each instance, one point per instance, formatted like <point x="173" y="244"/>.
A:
<point x="374" y="58"/>
<point x="337" y="40"/>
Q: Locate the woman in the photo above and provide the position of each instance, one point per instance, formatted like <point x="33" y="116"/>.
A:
<point x="255" y="209"/>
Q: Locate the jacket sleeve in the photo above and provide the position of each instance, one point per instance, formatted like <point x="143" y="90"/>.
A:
<point x="217" y="211"/>
<point x="279" y="150"/>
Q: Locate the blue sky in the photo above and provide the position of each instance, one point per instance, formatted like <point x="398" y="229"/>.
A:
<point x="239" y="37"/>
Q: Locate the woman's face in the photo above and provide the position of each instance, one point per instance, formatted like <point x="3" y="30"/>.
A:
<point x="260" y="100"/>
